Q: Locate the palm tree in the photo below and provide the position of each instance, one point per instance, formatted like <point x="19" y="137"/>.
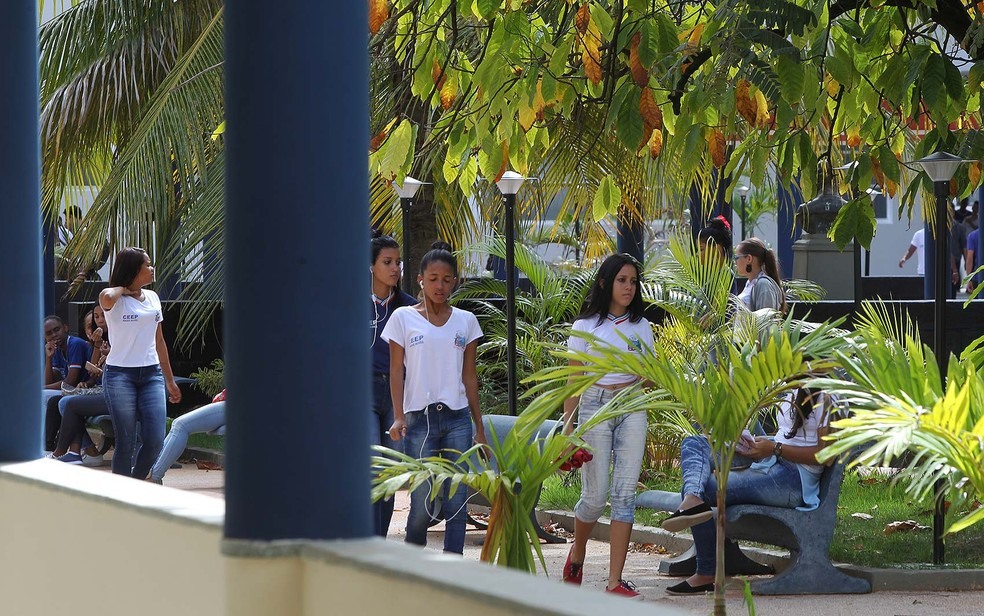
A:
<point x="901" y="406"/>
<point x="131" y="96"/>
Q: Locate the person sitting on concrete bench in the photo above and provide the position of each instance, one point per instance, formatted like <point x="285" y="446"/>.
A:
<point x="66" y="415"/>
<point x="64" y="359"/>
<point x="203" y="419"/>
<point x="785" y="474"/>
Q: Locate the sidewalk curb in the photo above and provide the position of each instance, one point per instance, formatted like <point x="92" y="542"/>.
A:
<point x="206" y="455"/>
<point x="881" y="579"/>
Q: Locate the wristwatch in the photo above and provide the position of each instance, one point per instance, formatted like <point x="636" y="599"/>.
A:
<point x="777" y="450"/>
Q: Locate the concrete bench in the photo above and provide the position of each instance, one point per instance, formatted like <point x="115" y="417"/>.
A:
<point x="807" y="536"/>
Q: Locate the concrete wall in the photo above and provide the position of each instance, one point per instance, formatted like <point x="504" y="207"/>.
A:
<point x="76" y="540"/>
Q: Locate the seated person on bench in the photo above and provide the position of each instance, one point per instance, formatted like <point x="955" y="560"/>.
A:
<point x="785" y="474"/>
<point x="64" y="359"/>
<point x="73" y="409"/>
<point x="203" y="419"/>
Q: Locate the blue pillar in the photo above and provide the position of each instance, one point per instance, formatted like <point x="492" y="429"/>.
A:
<point x="297" y="229"/>
<point x="929" y="258"/>
<point x="20" y="233"/>
<point x="788" y="230"/>
<point x="631" y="235"/>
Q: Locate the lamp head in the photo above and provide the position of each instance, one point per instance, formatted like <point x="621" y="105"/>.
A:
<point x="742" y="190"/>
<point x="510" y="182"/>
<point x="940" y="166"/>
<point x="409" y="188"/>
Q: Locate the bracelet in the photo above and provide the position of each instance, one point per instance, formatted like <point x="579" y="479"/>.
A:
<point x="777" y="450"/>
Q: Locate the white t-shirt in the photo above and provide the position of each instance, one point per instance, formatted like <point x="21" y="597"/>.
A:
<point x="640" y="337"/>
<point x="919" y="241"/>
<point x="433" y="356"/>
<point x="133" y="330"/>
<point x="808" y="435"/>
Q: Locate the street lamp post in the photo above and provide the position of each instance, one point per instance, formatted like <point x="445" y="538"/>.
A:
<point x="407" y="191"/>
<point x="743" y="191"/>
<point x="509" y="185"/>
<point x="940" y="167"/>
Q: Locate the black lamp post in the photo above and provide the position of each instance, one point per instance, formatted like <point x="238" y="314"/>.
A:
<point x="407" y="191"/>
<point x="743" y="191"/>
<point x="940" y="167"/>
<point x="509" y="185"/>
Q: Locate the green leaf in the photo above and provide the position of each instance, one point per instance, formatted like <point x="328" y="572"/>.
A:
<point x="792" y="77"/>
<point x="841" y="69"/>
<point x="648" y="45"/>
<point x="606" y="200"/>
<point x="856" y="219"/>
<point x="954" y="81"/>
<point x="975" y="76"/>
<point x="933" y="78"/>
<point x="629" y="125"/>
<point x="219" y="130"/>
<point x="468" y="174"/>
<point x="889" y="164"/>
<point x="487" y="8"/>
<point x="389" y="161"/>
<point x="666" y="34"/>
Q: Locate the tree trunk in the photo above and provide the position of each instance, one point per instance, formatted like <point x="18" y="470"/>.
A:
<point x="720" y="609"/>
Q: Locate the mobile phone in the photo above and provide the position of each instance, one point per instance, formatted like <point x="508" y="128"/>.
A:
<point x="93" y="368"/>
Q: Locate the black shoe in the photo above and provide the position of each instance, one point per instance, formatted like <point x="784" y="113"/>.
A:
<point x="684" y="588"/>
<point x="682" y="520"/>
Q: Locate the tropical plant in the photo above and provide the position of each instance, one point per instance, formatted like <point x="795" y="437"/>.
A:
<point x="755" y="359"/>
<point x="508" y="472"/>
<point x="543" y="313"/>
<point x="900" y="404"/>
<point x="210" y="380"/>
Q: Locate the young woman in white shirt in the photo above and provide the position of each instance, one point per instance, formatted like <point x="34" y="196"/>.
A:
<point x="760" y="266"/>
<point x="137" y="378"/>
<point x="435" y="405"/>
<point x="615" y="309"/>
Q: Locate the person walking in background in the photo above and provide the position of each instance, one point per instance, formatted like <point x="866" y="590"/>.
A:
<point x="436" y="401"/>
<point x="758" y="264"/>
<point x="917" y="247"/>
<point x="386" y="297"/>
<point x="615" y="309"/>
<point x="972" y="258"/>
<point x="137" y="378"/>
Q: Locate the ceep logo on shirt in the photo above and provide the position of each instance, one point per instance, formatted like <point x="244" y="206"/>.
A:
<point x="130" y="317"/>
<point x="415" y="340"/>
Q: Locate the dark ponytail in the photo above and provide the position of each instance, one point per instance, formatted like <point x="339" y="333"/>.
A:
<point x="803" y="407"/>
<point x="718" y="231"/>
<point x="770" y="263"/>
<point x="440" y="251"/>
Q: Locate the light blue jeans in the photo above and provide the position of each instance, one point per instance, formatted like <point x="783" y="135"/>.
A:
<point x="618" y="446"/>
<point x="202" y="419"/>
<point x="445" y="432"/>
<point x="777" y="486"/>
<point x="136" y="395"/>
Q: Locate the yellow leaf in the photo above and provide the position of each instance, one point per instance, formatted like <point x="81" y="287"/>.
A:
<point x="762" y="119"/>
<point x="652" y="116"/>
<point x="448" y="93"/>
<point x="639" y="73"/>
<point x="746" y="102"/>
<point x="655" y="143"/>
<point x="974" y="173"/>
<point x="853" y="136"/>
<point x="716" y="146"/>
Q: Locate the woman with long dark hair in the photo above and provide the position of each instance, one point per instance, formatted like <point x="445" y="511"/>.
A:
<point x="386" y="297"/>
<point x="137" y="378"/>
<point x="759" y="265"/>
<point x="614" y="314"/>
<point x="785" y="474"/>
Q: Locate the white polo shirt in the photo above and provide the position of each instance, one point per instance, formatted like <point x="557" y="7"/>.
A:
<point x="433" y="356"/>
<point x="640" y="340"/>
<point x="919" y="241"/>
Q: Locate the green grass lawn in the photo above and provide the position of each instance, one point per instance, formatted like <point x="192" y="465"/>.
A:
<point x="857" y="541"/>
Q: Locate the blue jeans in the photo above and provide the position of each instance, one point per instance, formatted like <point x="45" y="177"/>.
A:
<point x="446" y="432"/>
<point x="380" y="420"/>
<point x="202" y="419"/>
<point x="136" y="395"/>
<point x="617" y="446"/>
<point x="777" y="486"/>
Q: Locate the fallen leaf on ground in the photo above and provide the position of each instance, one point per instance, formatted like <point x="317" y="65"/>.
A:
<point x="903" y="526"/>
<point x="647" y="548"/>
<point x="206" y="465"/>
<point x="862" y="516"/>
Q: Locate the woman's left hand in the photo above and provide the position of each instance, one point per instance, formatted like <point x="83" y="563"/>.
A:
<point x="174" y="392"/>
<point x="760" y="448"/>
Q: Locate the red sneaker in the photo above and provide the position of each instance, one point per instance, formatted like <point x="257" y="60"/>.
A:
<point x="625" y="589"/>
<point x="573" y="572"/>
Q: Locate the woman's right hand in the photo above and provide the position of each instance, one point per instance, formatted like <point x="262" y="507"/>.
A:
<point x="398" y="430"/>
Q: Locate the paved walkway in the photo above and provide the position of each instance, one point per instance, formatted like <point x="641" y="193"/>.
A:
<point x="641" y="569"/>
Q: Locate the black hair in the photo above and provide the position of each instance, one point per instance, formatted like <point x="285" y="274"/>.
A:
<point x="803" y="407"/>
<point x="54" y="317"/>
<point x="718" y="231"/>
<point x="600" y="297"/>
<point x="127" y="266"/>
<point x="377" y="242"/>
<point x="440" y="251"/>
